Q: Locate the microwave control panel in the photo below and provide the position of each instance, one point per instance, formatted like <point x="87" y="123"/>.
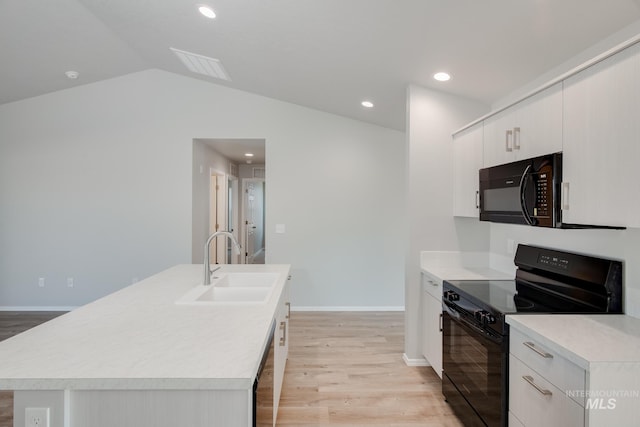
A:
<point x="544" y="193"/>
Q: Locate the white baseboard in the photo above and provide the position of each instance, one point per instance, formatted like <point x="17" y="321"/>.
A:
<point x="36" y="308"/>
<point x="415" y="362"/>
<point x="346" y="308"/>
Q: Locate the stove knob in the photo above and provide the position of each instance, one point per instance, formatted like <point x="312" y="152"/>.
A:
<point x="480" y="316"/>
<point x="453" y="296"/>
<point x="490" y="319"/>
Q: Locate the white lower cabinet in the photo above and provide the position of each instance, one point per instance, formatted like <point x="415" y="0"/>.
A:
<point x="574" y="370"/>
<point x="281" y="347"/>
<point x="535" y="401"/>
<point x="544" y="387"/>
<point x="432" y="322"/>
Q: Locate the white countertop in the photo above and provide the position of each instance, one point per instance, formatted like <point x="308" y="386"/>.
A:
<point x="454" y="265"/>
<point x="138" y="338"/>
<point x="584" y="339"/>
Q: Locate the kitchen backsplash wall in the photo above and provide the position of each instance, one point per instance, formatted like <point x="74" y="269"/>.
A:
<point x="617" y="244"/>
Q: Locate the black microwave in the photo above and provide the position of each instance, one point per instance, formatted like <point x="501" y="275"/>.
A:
<point x="523" y="192"/>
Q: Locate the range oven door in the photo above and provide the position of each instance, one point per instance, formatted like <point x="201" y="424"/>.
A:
<point x="474" y="370"/>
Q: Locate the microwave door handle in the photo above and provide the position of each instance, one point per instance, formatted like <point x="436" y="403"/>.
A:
<point x="523" y="201"/>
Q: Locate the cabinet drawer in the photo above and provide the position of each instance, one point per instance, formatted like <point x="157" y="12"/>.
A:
<point x="432" y="285"/>
<point x="535" y="401"/>
<point x="560" y="372"/>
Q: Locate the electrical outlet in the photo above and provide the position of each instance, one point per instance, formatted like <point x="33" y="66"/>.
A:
<point x="36" y="417"/>
<point x="41" y="282"/>
<point x="70" y="282"/>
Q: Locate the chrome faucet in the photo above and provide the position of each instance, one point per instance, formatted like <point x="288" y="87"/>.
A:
<point x="207" y="262"/>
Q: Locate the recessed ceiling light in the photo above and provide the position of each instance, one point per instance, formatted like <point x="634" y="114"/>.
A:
<point x="442" y="77"/>
<point x="248" y="154"/>
<point x="207" y="11"/>
<point x="367" y="104"/>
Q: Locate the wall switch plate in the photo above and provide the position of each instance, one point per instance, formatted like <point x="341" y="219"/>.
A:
<point x="280" y="228"/>
<point x="36" y="417"/>
<point x="70" y="282"/>
<point x="510" y="244"/>
<point x="41" y="282"/>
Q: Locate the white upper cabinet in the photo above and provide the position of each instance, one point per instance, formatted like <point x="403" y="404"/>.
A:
<point x="467" y="160"/>
<point x="530" y="128"/>
<point x="602" y="143"/>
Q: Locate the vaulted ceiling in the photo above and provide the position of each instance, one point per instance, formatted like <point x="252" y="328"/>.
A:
<point x="324" y="54"/>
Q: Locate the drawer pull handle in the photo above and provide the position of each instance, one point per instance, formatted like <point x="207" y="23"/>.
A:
<point x="433" y="283"/>
<point x="283" y="338"/>
<point x="543" y="391"/>
<point x="544" y="354"/>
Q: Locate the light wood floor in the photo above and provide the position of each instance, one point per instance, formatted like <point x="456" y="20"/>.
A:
<point x="344" y="369"/>
<point x="12" y="323"/>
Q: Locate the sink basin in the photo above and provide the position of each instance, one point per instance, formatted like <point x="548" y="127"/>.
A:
<point x="238" y="294"/>
<point x="232" y="288"/>
<point x="249" y="280"/>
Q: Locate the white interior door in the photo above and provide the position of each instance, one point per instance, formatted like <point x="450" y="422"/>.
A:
<point x="218" y="216"/>
<point x="253" y="220"/>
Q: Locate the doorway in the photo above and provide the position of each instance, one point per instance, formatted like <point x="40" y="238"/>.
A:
<point x="219" y="202"/>
<point x="253" y="190"/>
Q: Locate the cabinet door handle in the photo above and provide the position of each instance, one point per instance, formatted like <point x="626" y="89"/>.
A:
<point x="433" y="283"/>
<point x="283" y="338"/>
<point x="565" y="196"/>
<point x="516" y="138"/>
<point x="532" y="346"/>
<point x="507" y="140"/>
<point x="440" y="326"/>
<point x="477" y="199"/>
<point x="288" y="304"/>
<point x="543" y="391"/>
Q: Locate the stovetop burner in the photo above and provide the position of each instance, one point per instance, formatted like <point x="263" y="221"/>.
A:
<point x="487" y="294"/>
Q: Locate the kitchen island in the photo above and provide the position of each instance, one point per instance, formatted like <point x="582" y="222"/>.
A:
<point x="136" y="358"/>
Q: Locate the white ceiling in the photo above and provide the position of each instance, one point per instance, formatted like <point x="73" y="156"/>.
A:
<point x="324" y="54"/>
<point x="235" y="149"/>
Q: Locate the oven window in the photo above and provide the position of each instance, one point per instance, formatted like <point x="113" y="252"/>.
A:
<point x="476" y="365"/>
<point x="471" y="357"/>
<point x="502" y="199"/>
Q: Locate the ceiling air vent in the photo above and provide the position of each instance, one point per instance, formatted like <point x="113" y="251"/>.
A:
<point x="202" y="64"/>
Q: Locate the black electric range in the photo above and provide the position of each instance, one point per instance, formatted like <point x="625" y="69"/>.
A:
<point x="476" y="336"/>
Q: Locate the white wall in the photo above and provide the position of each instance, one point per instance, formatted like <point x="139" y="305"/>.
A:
<point x="432" y="117"/>
<point x="96" y="183"/>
